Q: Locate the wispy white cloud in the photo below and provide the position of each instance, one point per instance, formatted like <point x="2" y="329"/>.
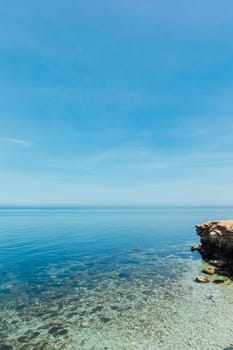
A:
<point x="20" y="142"/>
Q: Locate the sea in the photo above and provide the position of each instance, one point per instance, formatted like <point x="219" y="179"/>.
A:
<point x="109" y="278"/>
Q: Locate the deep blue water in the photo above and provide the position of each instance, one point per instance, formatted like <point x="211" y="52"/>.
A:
<point x="32" y="239"/>
<point x="46" y="254"/>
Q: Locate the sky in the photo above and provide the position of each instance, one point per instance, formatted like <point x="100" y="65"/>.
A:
<point x="116" y="102"/>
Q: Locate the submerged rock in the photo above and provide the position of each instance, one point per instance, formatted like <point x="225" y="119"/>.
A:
<point x="23" y="339"/>
<point x="136" y="249"/>
<point x="85" y="324"/>
<point x="195" y="248"/>
<point x="56" y="322"/>
<point x="97" y="309"/>
<point x="62" y="332"/>
<point x="217" y="243"/>
<point x="218" y="281"/>
<point x="57" y="330"/>
<point x="42" y="345"/>
<point x="6" y="347"/>
<point x="26" y="347"/>
<point x="105" y="319"/>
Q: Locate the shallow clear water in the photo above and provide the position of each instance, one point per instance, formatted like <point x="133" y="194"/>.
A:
<point x="70" y="279"/>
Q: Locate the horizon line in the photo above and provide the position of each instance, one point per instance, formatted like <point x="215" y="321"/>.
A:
<point x="106" y="206"/>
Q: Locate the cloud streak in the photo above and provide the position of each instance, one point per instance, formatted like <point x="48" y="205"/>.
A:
<point x="20" y="142"/>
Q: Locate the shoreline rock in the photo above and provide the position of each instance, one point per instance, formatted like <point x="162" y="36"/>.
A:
<point x="209" y="271"/>
<point x="216" y="245"/>
<point x="202" y="279"/>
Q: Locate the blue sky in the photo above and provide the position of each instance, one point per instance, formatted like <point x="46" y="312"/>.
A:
<point x="116" y="102"/>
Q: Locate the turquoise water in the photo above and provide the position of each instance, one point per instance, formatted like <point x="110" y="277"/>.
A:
<point x="71" y="279"/>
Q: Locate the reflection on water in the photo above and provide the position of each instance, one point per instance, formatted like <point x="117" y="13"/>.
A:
<point x="71" y="280"/>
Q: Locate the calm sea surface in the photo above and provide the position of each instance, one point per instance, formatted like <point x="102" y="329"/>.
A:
<point x="72" y="279"/>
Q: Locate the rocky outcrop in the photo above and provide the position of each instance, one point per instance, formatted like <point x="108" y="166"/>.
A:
<point x="217" y="244"/>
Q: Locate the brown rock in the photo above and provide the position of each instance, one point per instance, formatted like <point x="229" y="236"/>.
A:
<point x="218" y="281"/>
<point x="202" y="279"/>
<point x="217" y="243"/>
<point x="209" y="271"/>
